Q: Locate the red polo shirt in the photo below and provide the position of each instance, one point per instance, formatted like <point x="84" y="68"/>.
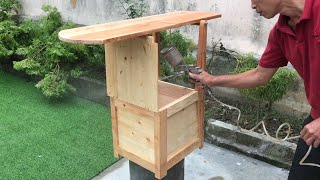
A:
<point x="301" y="48"/>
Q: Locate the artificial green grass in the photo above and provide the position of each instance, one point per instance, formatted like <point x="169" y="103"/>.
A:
<point x="41" y="139"/>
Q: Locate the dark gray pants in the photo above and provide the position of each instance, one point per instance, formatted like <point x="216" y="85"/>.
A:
<point x="298" y="172"/>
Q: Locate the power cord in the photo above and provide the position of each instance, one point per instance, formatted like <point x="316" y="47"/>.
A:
<point x="265" y="129"/>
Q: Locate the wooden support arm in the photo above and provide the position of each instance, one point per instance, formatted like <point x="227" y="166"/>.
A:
<point x="201" y="62"/>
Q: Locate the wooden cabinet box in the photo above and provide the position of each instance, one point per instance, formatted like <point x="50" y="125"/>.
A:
<point x="155" y="124"/>
<point x="158" y="140"/>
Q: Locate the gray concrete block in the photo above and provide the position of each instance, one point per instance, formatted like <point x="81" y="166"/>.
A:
<point x="265" y="148"/>
<point x="91" y="89"/>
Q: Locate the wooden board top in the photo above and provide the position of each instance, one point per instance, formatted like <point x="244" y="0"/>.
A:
<point x="120" y="30"/>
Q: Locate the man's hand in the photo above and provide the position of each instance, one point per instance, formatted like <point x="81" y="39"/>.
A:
<point x="249" y="79"/>
<point x="203" y="77"/>
<point x="311" y="133"/>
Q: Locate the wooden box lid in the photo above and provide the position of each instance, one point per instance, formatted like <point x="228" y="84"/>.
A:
<point x="120" y="30"/>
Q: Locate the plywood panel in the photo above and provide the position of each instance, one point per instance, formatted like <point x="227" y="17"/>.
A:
<point x="136" y="134"/>
<point x="182" y="128"/>
<point x="116" y="31"/>
<point x="133" y="65"/>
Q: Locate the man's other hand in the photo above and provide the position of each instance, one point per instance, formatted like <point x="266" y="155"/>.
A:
<point x="311" y="133"/>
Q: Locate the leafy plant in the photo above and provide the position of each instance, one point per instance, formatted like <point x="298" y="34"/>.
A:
<point x="55" y="84"/>
<point x="8" y="9"/>
<point x="271" y="92"/>
<point x="176" y="39"/>
<point x="9" y="30"/>
<point x="96" y="57"/>
<point x="220" y="59"/>
<point x="134" y="8"/>
<point x="184" y="45"/>
<point x="53" y="60"/>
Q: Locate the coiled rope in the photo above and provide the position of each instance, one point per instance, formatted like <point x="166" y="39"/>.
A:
<point x="265" y="131"/>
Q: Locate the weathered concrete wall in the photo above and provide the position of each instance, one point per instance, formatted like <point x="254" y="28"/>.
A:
<point x="85" y="12"/>
<point x="240" y="28"/>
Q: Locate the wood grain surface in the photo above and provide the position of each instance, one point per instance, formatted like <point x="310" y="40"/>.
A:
<point x="120" y="30"/>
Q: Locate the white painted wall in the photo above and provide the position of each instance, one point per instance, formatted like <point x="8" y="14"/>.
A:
<point x="240" y="28"/>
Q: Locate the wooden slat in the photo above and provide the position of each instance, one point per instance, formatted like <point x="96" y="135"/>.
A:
<point x="114" y="128"/>
<point x="136" y="159"/>
<point x="160" y="144"/>
<point x="132" y="108"/>
<point x="201" y="61"/>
<point x="132" y="72"/>
<point x="182" y="153"/>
<point x="181" y="103"/>
<point x="111" y="70"/>
<point x="165" y="100"/>
<point x="116" y="31"/>
<point x="173" y="90"/>
<point x="182" y="128"/>
<point x="136" y="134"/>
<point x="157" y="39"/>
<point x="170" y="93"/>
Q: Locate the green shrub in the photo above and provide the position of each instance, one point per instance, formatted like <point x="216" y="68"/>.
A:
<point x="271" y="92"/>
<point x="8" y="9"/>
<point x="9" y="33"/>
<point x="134" y="8"/>
<point x="54" y="61"/>
<point x="51" y="59"/>
<point x="176" y="39"/>
<point x="9" y="29"/>
<point x="184" y="45"/>
<point x="55" y="84"/>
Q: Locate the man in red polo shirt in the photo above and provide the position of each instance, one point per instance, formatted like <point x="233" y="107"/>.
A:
<point x="296" y="39"/>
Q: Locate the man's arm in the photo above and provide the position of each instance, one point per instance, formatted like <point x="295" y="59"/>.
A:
<point x="250" y="79"/>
